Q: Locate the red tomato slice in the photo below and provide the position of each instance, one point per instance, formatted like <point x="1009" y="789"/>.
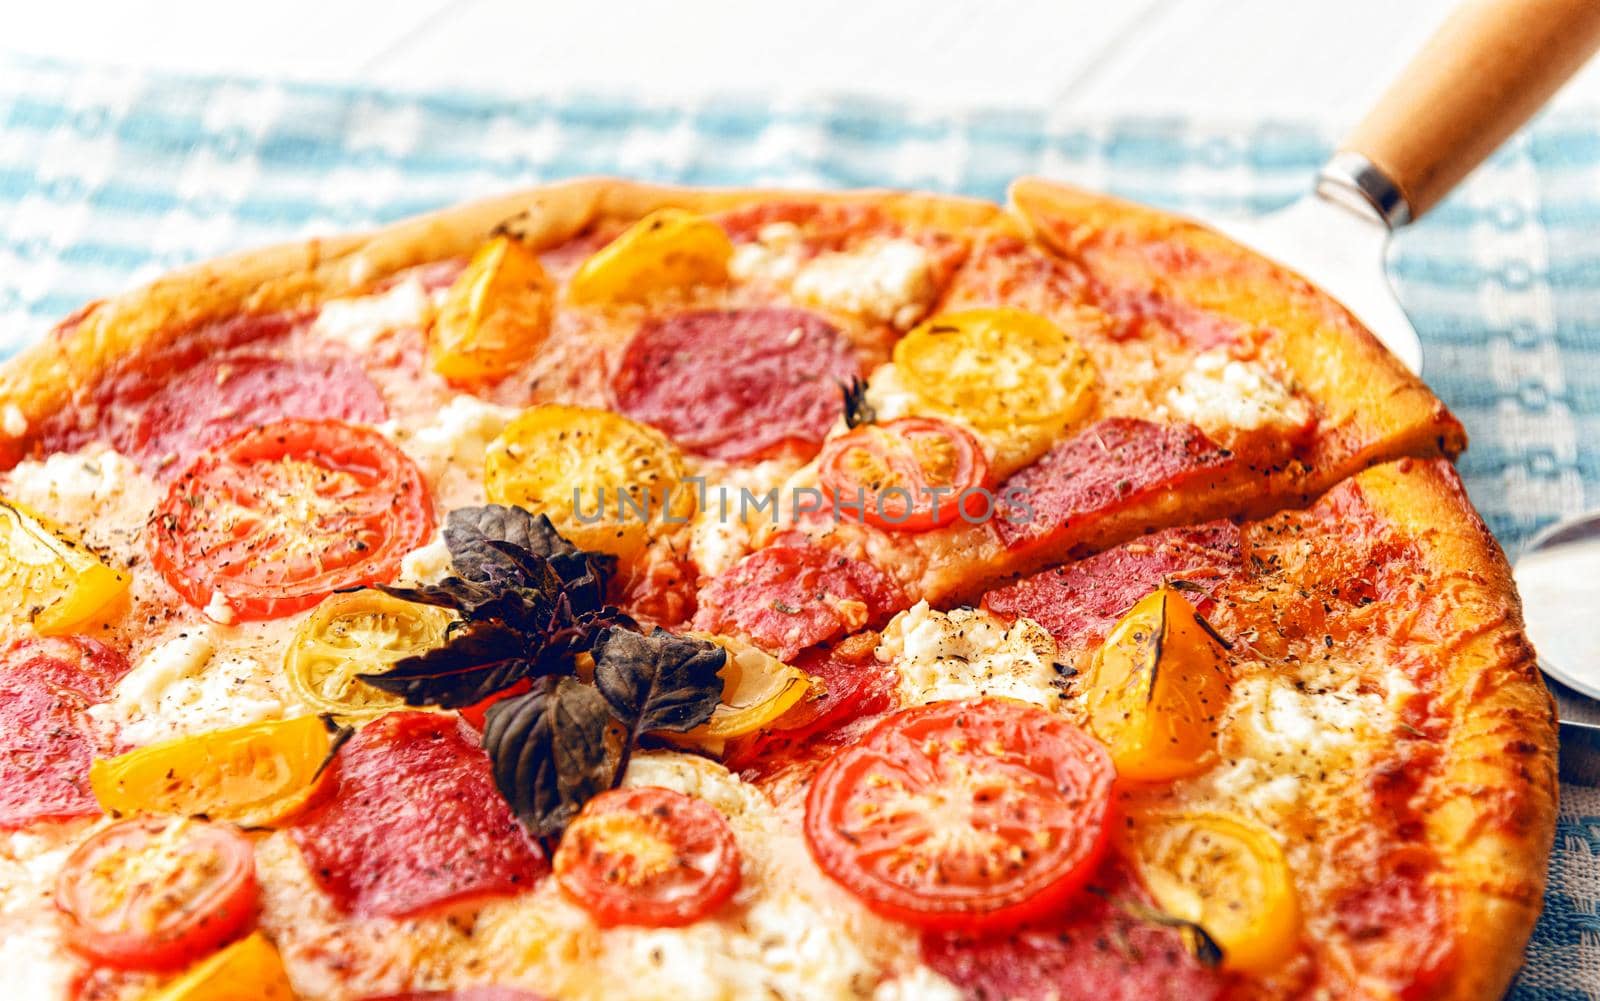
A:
<point x="154" y="894"/>
<point x="909" y="475"/>
<point x="648" y="856"/>
<point x="280" y="516"/>
<point x="967" y="815"/>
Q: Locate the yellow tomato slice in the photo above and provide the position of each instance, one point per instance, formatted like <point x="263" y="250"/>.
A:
<point x="605" y="481"/>
<point x="248" y="970"/>
<point x="363" y="632"/>
<point x="1156" y="688"/>
<point x="250" y="775"/>
<point x="757" y="688"/>
<point x="49" y="579"/>
<point x="495" y="316"/>
<point x="1226" y="875"/>
<point x="997" y="368"/>
<point x="667" y="249"/>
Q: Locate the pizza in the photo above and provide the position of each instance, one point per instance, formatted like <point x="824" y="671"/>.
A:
<point x="608" y="591"/>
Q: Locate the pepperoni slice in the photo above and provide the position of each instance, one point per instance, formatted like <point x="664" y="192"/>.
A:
<point x="414" y="822"/>
<point x="1095" y="952"/>
<point x="1080" y="601"/>
<point x="208" y="403"/>
<point x="736" y="384"/>
<point x="1108" y="466"/>
<point x="790" y="597"/>
<point x="46" y="740"/>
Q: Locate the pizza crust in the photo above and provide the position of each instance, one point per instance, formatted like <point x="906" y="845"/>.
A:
<point x="65" y="364"/>
<point x="1495" y="806"/>
<point x="1492" y="807"/>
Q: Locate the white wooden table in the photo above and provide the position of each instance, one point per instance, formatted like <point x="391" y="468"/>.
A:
<point x="1221" y="59"/>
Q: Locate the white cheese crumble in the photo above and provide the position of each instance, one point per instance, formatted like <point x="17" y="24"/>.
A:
<point x="449" y="449"/>
<point x="886" y="280"/>
<point x="889" y="281"/>
<point x="189" y="684"/>
<point x="780" y="947"/>
<point x="428" y="563"/>
<point x="1221" y="394"/>
<point x="360" y="321"/>
<point x="731" y="506"/>
<point x="13" y="421"/>
<point x="36" y="961"/>
<point x="774" y="256"/>
<point x="1285" y="739"/>
<point x="699" y="777"/>
<point x="96" y="493"/>
<point x="967" y="653"/>
<point x="218" y="609"/>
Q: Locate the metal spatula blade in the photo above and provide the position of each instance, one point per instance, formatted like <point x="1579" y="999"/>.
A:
<point x="1336" y="238"/>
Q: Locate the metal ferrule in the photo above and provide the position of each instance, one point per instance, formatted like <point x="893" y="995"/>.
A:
<point x="1352" y="178"/>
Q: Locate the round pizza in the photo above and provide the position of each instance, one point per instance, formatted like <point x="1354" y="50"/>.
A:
<point x="610" y="592"/>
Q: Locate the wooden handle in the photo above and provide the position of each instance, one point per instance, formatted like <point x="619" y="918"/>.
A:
<point x="1485" y="72"/>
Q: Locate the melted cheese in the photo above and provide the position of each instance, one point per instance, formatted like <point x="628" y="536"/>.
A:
<point x="196" y="681"/>
<point x="967" y="653"/>
<point x="449" y="448"/>
<point x="885" y="280"/>
<point x="734" y="504"/>
<point x="1289" y="741"/>
<point x="429" y="563"/>
<point x="358" y="322"/>
<point x="1223" y="396"/>
<point x="98" y="494"/>
<point x="36" y="962"/>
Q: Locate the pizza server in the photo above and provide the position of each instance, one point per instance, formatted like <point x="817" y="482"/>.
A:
<point x="1488" y="68"/>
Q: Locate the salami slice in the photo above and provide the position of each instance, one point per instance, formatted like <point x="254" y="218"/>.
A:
<point x="112" y="407"/>
<point x="1079" y="602"/>
<point x="739" y="383"/>
<point x="1108" y="466"/>
<point x="414" y="822"/>
<point x="208" y="403"/>
<point x="791" y="597"/>
<point x="46" y="739"/>
<point x="1096" y="952"/>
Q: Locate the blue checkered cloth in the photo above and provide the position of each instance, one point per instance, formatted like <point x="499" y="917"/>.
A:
<point x="108" y="179"/>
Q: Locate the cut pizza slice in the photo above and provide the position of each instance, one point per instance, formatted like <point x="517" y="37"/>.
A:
<point x="1332" y="746"/>
<point x="1061" y="400"/>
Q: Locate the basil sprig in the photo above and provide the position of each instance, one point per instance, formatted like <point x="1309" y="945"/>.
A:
<point x="529" y="604"/>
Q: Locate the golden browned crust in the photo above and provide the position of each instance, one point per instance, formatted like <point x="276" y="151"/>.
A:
<point x="1375" y="409"/>
<point x="1492" y="806"/>
<point x="49" y="375"/>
